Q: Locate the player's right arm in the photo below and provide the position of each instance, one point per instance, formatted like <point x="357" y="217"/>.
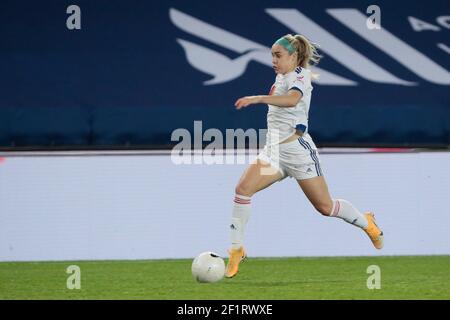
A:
<point x="288" y="100"/>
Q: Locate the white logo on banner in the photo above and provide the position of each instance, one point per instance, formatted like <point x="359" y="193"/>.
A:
<point x="223" y="69"/>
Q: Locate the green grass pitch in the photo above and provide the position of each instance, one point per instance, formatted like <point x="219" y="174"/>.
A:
<point x="407" y="277"/>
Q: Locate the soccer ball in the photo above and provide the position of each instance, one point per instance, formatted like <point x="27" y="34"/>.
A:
<point x="208" y="267"/>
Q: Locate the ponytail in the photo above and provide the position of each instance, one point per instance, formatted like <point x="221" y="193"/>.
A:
<point x="307" y="54"/>
<point x="306" y="51"/>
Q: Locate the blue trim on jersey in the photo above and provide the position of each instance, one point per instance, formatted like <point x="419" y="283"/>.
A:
<point x="297" y="88"/>
<point x="301" y="127"/>
<point x="313" y="154"/>
<point x="298" y="69"/>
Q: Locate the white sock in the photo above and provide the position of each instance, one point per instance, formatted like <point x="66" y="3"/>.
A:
<point x="346" y="211"/>
<point x="241" y="214"/>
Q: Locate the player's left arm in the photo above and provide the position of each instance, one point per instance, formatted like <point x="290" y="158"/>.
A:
<point x="288" y="100"/>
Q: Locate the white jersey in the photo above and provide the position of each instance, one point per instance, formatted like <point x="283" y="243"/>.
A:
<point x="281" y="121"/>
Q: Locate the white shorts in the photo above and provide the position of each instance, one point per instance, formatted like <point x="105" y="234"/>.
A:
<point x="298" y="159"/>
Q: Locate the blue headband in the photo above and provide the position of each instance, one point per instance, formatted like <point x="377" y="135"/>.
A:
<point x="285" y="44"/>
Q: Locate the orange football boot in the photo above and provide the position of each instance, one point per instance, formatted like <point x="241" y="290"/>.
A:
<point x="373" y="231"/>
<point x="236" y="257"/>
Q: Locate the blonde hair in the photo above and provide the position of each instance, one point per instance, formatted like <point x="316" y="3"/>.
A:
<point x="307" y="54"/>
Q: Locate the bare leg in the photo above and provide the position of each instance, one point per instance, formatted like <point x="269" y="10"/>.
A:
<point x="316" y="190"/>
<point x="256" y="177"/>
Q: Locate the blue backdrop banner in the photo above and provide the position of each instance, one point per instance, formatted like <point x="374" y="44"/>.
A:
<point x="115" y="73"/>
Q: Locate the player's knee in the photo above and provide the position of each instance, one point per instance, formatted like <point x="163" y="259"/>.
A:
<point x="244" y="190"/>
<point x="324" y="208"/>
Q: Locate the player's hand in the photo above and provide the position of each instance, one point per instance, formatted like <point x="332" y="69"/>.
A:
<point x="246" y="101"/>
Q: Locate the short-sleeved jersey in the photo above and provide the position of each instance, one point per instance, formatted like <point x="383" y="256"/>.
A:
<point x="281" y="121"/>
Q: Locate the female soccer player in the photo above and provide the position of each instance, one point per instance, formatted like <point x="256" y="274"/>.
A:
<point x="290" y="150"/>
